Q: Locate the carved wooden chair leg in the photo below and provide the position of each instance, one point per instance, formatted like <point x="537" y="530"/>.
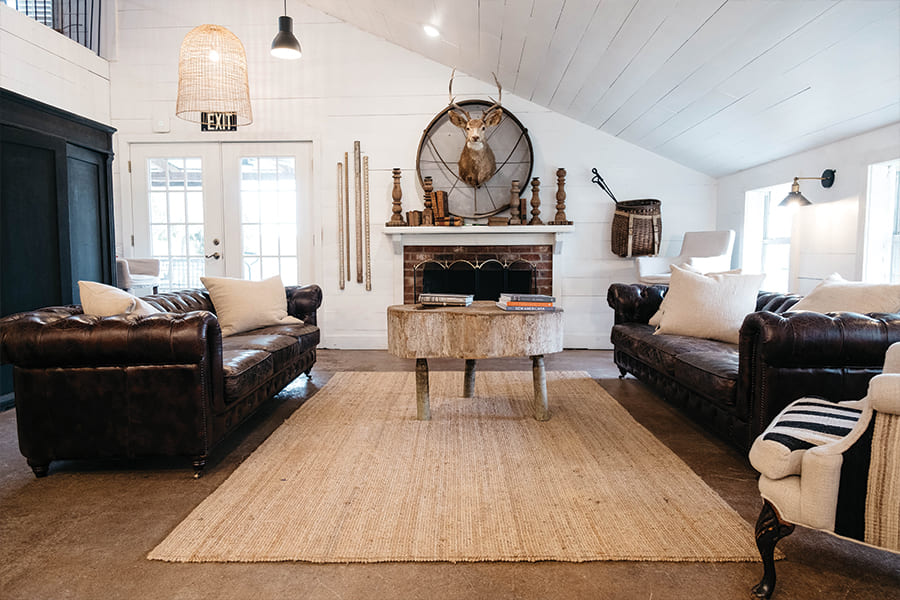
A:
<point x="769" y="529"/>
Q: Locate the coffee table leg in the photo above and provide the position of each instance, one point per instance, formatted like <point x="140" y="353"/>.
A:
<point x="541" y="409"/>
<point x="469" y="381"/>
<point x="423" y="404"/>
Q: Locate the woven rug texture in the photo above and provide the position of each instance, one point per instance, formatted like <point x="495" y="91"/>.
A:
<point x="352" y="476"/>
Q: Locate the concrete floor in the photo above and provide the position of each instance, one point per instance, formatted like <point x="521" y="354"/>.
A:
<point x="84" y="531"/>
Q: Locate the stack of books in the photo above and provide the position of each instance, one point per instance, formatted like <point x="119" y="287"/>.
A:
<point x="440" y="299"/>
<point x="526" y="302"/>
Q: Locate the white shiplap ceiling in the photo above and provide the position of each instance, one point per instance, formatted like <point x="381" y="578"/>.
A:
<point x="717" y="85"/>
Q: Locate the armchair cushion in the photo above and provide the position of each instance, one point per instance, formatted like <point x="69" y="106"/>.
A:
<point x="105" y="301"/>
<point x="244" y="305"/>
<point x="805" y="423"/>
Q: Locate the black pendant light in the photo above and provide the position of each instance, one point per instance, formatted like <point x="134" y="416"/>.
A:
<point x="285" y="45"/>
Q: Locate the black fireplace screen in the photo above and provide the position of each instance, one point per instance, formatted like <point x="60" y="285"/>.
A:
<point x="485" y="280"/>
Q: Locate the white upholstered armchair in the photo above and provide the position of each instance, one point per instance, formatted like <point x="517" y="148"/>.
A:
<point x="833" y="467"/>
<point x="707" y="251"/>
<point x="134" y="273"/>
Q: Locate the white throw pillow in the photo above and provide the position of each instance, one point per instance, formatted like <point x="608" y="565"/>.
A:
<point x="835" y="294"/>
<point x="105" y="301"/>
<point x="708" y="306"/>
<point x="657" y="316"/>
<point x="243" y="305"/>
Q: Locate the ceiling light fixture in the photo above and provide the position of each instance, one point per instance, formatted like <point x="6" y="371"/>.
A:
<point x="795" y="198"/>
<point x="212" y="76"/>
<point x="431" y="31"/>
<point x="285" y="45"/>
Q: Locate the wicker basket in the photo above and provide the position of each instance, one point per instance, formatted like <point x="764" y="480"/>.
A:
<point x="636" y="228"/>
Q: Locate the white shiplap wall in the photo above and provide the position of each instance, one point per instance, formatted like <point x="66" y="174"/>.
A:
<point x="828" y="235"/>
<point x="37" y="62"/>
<point x="351" y="85"/>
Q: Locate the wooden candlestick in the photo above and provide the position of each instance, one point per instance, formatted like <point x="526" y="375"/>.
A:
<point x="428" y="213"/>
<point x="396" y="205"/>
<point x="560" y="218"/>
<point x="514" y="215"/>
<point x="535" y="202"/>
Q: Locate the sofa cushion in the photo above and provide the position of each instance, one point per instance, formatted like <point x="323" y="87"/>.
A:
<point x="306" y="335"/>
<point x="284" y="349"/>
<point x="245" y="370"/>
<point x="243" y="305"/>
<point x="804" y="424"/>
<point x="711" y="373"/>
<point x="662" y="351"/>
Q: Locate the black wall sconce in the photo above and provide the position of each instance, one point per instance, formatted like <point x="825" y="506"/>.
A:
<point x="795" y="198"/>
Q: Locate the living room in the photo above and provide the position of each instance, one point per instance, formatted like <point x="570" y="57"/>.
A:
<point x="352" y="84"/>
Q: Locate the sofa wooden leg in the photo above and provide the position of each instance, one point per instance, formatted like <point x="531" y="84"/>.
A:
<point x="769" y="529"/>
<point x="622" y="373"/>
<point x="40" y="468"/>
<point x="199" y="464"/>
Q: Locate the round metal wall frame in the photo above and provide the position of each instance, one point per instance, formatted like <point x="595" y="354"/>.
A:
<point x="438" y="157"/>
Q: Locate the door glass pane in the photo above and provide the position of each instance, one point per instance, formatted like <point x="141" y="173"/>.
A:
<point x="176" y="220"/>
<point x="269" y="217"/>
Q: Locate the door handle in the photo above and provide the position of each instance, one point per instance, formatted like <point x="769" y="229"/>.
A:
<point x="214" y="255"/>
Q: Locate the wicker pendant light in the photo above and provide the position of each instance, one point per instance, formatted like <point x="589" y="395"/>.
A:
<point x="212" y="75"/>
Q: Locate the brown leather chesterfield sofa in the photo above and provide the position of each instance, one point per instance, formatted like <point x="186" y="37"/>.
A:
<point x="736" y="390"/>
<point x="166" y="384"/>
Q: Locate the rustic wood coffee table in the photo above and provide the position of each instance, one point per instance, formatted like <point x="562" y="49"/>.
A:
<point x="481" y="330"/>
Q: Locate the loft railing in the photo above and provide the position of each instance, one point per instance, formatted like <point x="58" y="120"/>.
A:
<point x="78" y="20"/>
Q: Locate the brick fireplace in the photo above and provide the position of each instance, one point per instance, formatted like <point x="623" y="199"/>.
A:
<point x="538" y="256"/>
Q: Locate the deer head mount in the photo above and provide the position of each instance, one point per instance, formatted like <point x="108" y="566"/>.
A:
<point x="476" y="161"/>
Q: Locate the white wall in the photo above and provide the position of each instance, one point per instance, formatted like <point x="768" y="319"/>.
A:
<point x="828" y="236"/>
<point x="37" y="62"/>
<point x="349" y="86"/>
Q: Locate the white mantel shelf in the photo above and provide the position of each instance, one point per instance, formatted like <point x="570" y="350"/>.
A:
<point x="476" y="235"/>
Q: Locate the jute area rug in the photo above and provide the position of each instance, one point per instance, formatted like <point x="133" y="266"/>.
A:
<point x="353" y="477"/>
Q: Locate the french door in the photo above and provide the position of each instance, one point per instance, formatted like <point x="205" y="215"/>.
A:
<point x="223" y="209"/>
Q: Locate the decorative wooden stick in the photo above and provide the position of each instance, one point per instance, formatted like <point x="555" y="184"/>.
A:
<point x="366" y="209"/>
<point x="514" y="218"/>
<point x="358" y="191"/>
<point x="428" y="213"/>
<point x="347" y="212"/>
<point x="340" y="227"/>
<point x="396" y="205"/>
<point x="560" y="218"/>
<point x="535" y="202"/>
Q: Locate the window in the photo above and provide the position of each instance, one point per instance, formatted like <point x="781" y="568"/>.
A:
<point x="882" y="244"/>
<point x="767" y="236"/>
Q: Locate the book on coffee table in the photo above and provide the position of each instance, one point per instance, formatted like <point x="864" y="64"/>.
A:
<point x="440" y="299"/>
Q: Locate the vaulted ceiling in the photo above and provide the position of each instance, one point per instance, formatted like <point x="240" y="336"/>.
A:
<point x="717" y="85"/>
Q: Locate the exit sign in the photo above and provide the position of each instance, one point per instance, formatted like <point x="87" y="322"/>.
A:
<point x="218" y="121"/>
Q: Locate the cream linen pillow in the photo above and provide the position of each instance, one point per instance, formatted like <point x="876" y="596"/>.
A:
<point x="708" y="306"/>
<point x="105" y="301"/>
<point x="835" y="294"/>
<point x="657" y="316"/>
<point x="243" y="305"/>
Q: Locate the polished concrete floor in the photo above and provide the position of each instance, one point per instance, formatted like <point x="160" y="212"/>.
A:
<point x="84" y="531"/>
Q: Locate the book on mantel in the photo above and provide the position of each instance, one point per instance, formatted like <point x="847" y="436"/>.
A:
<point x="441" y="299"/>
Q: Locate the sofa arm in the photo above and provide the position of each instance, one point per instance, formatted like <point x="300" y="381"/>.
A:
<point x="38" y="340"/>
<point x="809" y="339"/>
<point x="634" y="302"/>
<point x="303" y="301"/>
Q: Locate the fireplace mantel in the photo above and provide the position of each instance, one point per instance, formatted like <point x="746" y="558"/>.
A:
<point x="474" y="235"/>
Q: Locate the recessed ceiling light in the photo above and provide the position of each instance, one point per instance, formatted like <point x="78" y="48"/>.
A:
<point x="431" y="31"/>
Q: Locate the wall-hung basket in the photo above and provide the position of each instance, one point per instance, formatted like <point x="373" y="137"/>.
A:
<point x="636" y="225"/>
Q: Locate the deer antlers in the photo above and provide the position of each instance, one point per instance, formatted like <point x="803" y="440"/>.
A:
<point x="453" y="103"/>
